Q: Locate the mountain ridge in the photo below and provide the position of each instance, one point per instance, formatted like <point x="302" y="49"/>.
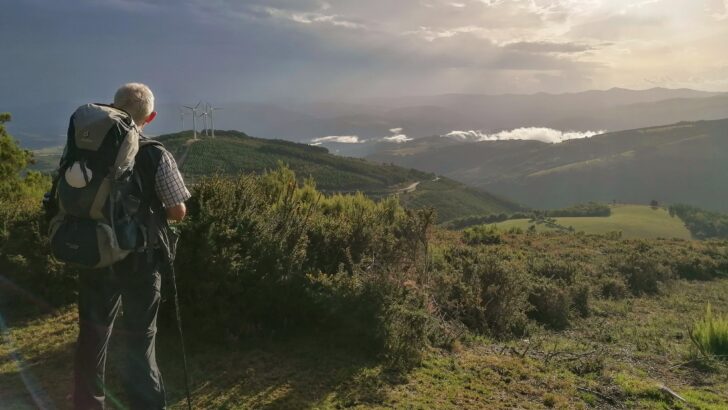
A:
<point x="681" y="162"/>
<point x="374" y="118"/>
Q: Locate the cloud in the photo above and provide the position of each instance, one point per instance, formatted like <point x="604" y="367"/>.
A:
<point x="547" y="135"/>
<point x="278" y="50"/>
<point x="399" y="138"/>
<point x="308" y="18"/>
<point x="718" y="9"/>
<point x="548" y="47"/>
<point x="341" y="139"/>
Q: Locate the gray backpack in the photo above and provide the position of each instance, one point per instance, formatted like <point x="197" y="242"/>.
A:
<point x="97" y="191"/>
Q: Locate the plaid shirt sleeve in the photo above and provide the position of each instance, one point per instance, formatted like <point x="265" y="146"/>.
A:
<point x="168" y="183"/>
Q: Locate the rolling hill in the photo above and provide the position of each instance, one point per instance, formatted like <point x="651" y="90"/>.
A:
<point x="233" y="152"/>
<point x="686" y="162"/>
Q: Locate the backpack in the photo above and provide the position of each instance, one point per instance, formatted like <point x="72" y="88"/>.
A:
<point x="97" y="192"/>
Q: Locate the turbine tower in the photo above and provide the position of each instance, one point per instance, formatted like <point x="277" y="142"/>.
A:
<point x="182" y="119"/>
<point x="204" y="114"/>
<point x="212" y="118"/>
<point x="194" y="117"/>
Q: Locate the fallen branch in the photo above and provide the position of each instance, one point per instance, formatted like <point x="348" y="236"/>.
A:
<point x="671" y="393"/>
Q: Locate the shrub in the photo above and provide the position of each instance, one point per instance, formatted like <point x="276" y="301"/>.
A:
<point x="263" y="253"/>
<point x="710" y="335"/>
<point x="26" y="267"/>
<point x="551" y="304"/>
<point x="580" y="296"/>
<point x="643" y="270"/>
<point x="689" y="263"/>
<point x="375" y="313"/>
<point x="554" y="268"/>
<point x="614" y="288"/>
<point x="482" y="235"/>
<point x="581" y="210"/>
<point x="485" y="290"/>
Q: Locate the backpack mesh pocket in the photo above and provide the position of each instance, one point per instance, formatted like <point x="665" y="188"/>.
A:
<point x="84" y="242"/>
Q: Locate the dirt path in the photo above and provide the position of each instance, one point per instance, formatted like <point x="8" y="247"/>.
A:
<point x="183" y="157"/>
<point x="409" y="188"/>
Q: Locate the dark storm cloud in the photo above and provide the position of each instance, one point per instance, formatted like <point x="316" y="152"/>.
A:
<point x="280" y="49"/>
<point x="235" y="50"/>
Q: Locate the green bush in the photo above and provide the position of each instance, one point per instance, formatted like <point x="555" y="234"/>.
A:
<point x="485" y="290"/>
<point x="614" y="288"/>
<point x="691" y="264"/>
<point x="643" y="269"/>
<point x="580" y="297"/>
<point x="265" y="254"/>
<point x="551" y="304"/>
<point x="482" y="235"/>
<point x="27" y="271"/>
<point x="710" y="335"/>
<point x="555" y="268"/>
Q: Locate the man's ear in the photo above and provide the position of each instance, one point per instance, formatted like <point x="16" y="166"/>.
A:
<point x="151" y="117"/>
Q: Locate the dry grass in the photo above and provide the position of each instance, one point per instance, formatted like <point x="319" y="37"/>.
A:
<point x="617" y="358"/>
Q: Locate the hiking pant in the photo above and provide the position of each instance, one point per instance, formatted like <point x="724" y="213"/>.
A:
<point x="135" y="285"/>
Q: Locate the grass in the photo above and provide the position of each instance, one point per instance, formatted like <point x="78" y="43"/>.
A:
<point x="619" y="357"/>
<point x="710" y="335"/>
<point x="633" y="221"/>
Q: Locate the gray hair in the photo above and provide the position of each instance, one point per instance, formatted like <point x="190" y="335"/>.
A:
<point x="136" y="99"/>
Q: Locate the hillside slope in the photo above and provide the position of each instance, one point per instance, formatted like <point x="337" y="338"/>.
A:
<point x="685" y="162"/>
<point x="234" y="152"/>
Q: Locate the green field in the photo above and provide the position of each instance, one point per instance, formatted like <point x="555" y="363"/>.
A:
<point x="634" y="221"/>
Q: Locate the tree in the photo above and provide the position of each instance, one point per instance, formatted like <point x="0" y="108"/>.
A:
<point x="13" y="160"/>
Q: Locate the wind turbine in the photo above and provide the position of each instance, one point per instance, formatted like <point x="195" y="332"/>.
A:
<point x="212" y="118"/>
<point x="204" y="115"/>
<point x="194" y="116"/>
<point x="182" y="119"/>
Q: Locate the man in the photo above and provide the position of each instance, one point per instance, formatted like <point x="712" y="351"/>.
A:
<point x="135" y="282"/>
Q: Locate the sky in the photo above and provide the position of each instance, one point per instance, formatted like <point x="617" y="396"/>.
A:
<point x="303" y="50"/>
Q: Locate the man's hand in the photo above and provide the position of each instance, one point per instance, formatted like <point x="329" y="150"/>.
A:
<point x="177" y="212"/>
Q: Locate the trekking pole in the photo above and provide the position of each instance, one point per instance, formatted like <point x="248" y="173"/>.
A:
<point x="181" y="335"/>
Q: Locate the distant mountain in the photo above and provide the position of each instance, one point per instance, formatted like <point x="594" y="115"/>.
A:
<point x="372" y="120"/>
<point x="686" y="162"/>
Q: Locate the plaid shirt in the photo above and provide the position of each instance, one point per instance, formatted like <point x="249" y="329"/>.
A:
<point x="168" y="182"/>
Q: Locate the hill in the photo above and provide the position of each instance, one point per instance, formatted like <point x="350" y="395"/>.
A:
<point x="633" y="221"/>
<point x="233" y="152"/>
<point x="686" y="162"/>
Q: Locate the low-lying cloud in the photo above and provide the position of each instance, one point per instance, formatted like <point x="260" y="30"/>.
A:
<point x="547" y="135"/>
<point x="397" y="136"/>
<point x="341" y="139"/>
